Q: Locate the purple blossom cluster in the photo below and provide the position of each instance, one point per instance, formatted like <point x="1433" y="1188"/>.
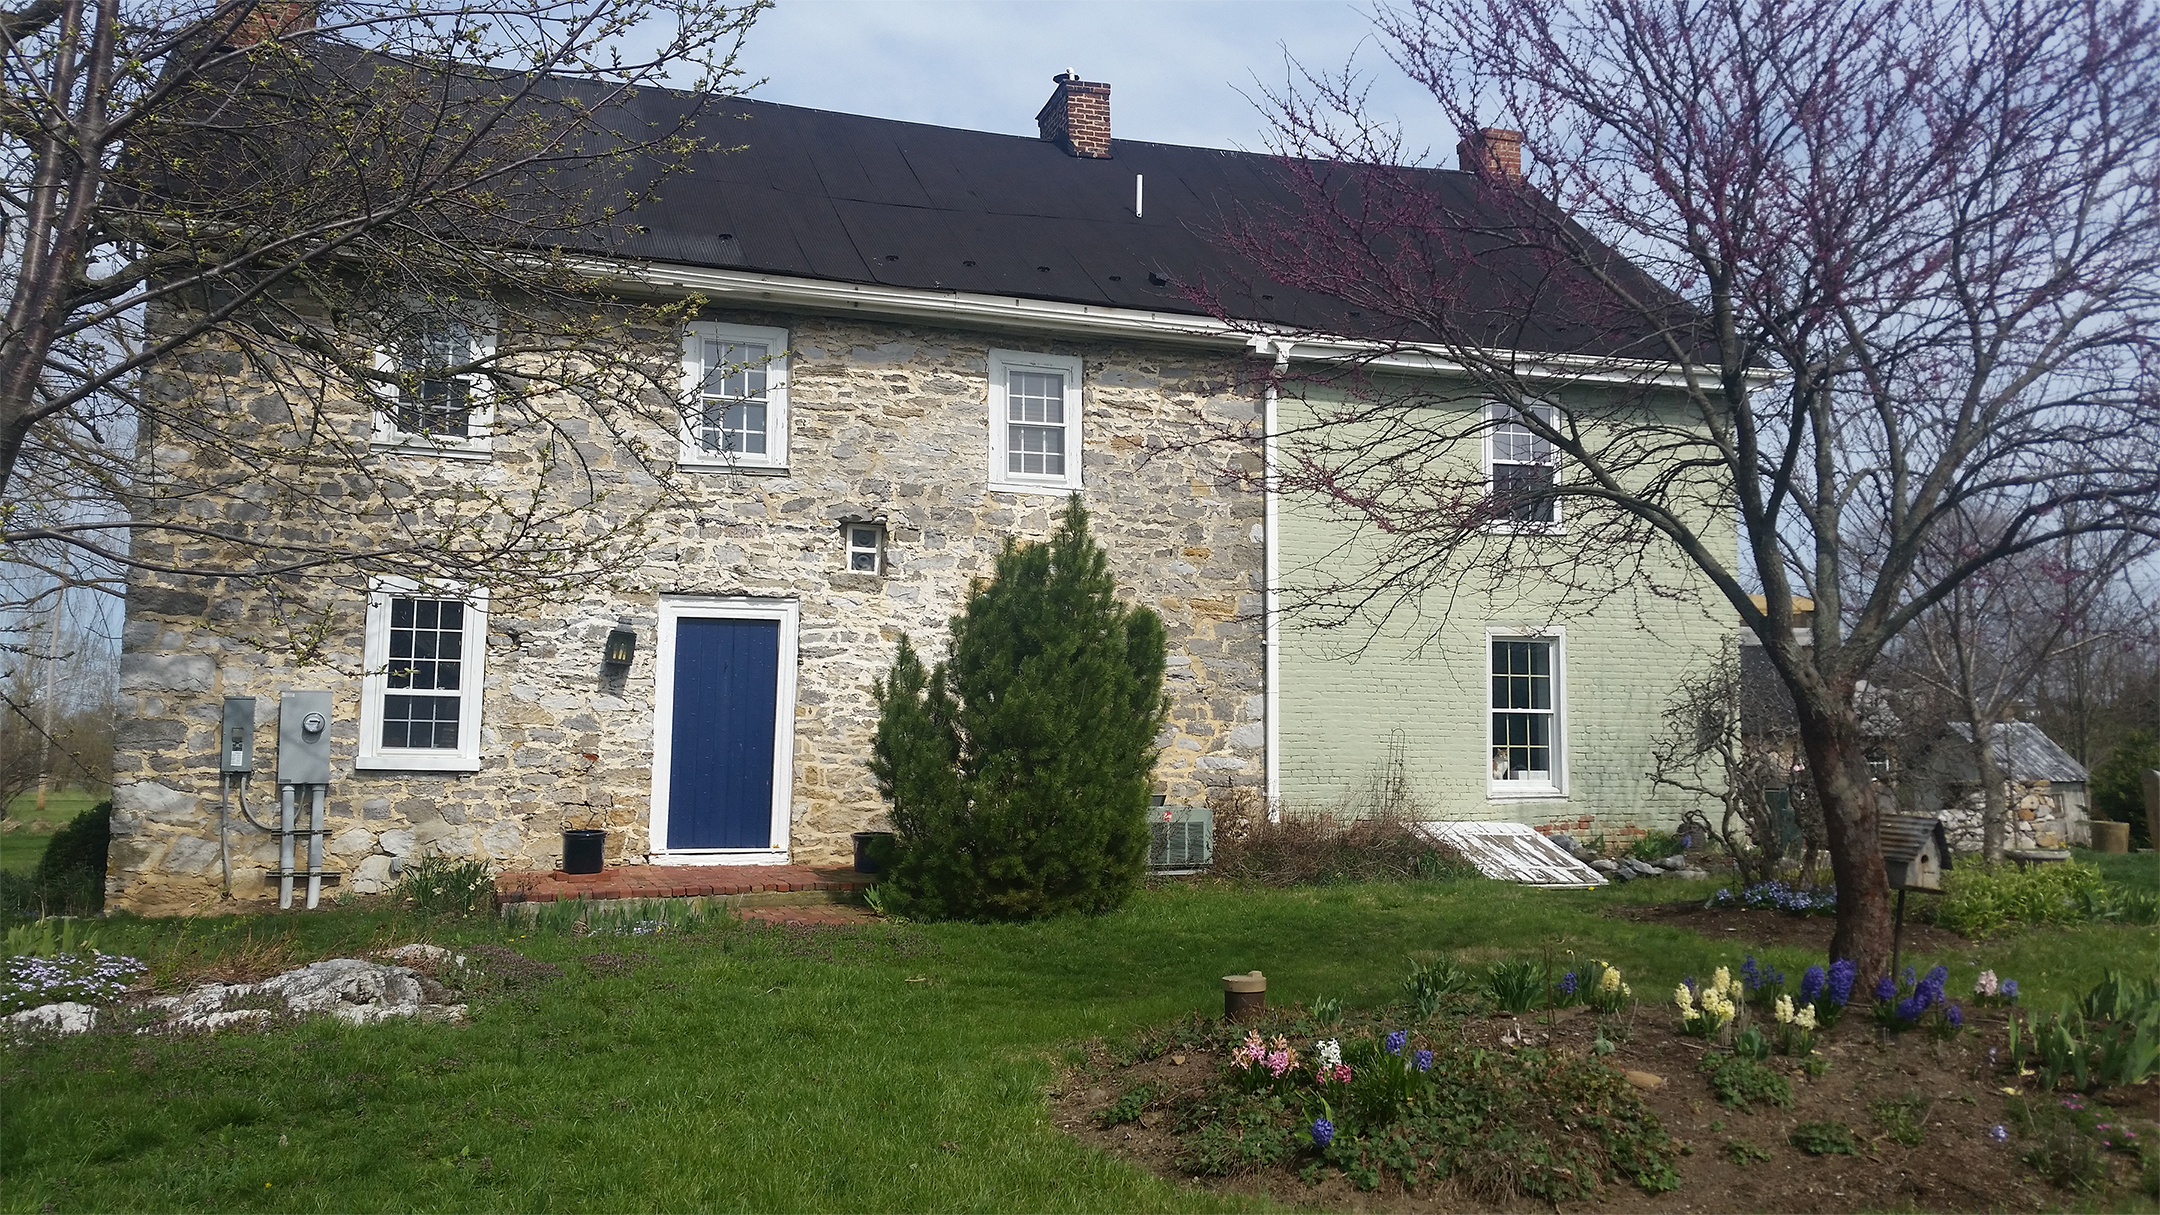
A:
<point x="1322" y="1132"/>
<point x="1922" y="994"/>
<point x="92" y="978"/>
<point x="1395" y="1041"/>
<point x="1780" y="896"/>
<point x="1757" y="977"/>
<point x="1843" y="974"/>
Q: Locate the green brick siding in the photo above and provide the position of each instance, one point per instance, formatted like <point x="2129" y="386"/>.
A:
<point x="1349" y="694"/>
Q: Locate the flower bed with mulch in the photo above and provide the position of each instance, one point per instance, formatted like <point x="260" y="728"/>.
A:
<point x="1626" y="1107"/>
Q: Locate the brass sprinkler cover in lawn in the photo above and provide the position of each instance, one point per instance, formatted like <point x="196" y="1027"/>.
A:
<point x="1244" y="996"/>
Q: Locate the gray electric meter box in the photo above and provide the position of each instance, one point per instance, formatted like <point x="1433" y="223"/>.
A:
<point x="303" y="738"/>
<point x="236" y="738"/>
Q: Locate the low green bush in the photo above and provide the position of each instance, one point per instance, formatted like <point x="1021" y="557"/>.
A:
<point x="1980" y="900"/>
<point x="70" y="877"/>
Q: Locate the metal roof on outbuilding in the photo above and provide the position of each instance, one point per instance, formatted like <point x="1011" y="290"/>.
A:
<point x="2024" y="752"/>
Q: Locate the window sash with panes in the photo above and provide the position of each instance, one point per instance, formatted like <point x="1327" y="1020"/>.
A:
<point x="432" y="401"/>
<point x="1522" y="469"/>
<point x="865" y="551"/>
<point x="1524" y="716"/>
<point x="735" y="418"/>
<point x="423" y="698"/>
<point x="1035" y="423"/>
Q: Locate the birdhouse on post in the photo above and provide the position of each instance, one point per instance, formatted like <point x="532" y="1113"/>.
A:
<point x="1916" y="851"/>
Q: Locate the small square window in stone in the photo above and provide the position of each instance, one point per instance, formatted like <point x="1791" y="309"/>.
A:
<point x="423" y="701"/>
<point x="865" y="548"/>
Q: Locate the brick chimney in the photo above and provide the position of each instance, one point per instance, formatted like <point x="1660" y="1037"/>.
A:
<point x="270" y="20"/>
<point x="1077" y="117"/>
<point x="1492" y="152"/>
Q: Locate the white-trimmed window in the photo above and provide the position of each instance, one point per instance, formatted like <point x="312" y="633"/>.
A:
<point x="735" y="414"/>
<point x="1526" y="711"/>
<point x="1034" y="422"/>
<point x="865" y="548"/>
<point x="426" y="648"/>
<point x="439" y="402"/>
<point x="1520" y="466"/>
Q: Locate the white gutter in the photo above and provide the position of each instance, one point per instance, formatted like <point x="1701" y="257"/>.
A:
<point x="1271" y="627"/>
<point x="744" y="288"/>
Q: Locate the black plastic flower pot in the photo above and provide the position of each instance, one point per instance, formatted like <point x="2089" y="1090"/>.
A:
<point x="583" y="851"/>
<point x="873" y="851"/>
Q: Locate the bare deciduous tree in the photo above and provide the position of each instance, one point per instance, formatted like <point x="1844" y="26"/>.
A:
<point x="1888" y="264"/>
<point x="230" y="228"/>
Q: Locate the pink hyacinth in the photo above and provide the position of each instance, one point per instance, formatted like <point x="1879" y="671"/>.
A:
<point x="1278" y="1062"/>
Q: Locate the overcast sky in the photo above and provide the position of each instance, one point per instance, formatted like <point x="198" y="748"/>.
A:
<point x="1179" y="70"/>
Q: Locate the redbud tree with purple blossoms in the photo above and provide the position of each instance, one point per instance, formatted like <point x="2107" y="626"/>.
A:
<point x="1858" y="275"/>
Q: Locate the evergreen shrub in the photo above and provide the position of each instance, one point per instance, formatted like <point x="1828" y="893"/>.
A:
<point x="1019" y="768"/>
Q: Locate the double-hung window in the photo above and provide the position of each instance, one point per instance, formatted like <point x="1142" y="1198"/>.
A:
<point x="736" y="413"/>
<point x="437" y="400"/>
<point x="420" y="695"/>
<point x="1526" y="715"/>
<point x="1034" y="422"/>
<point x="1519" y="469"/>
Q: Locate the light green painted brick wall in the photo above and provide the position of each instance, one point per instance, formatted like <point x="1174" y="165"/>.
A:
<point x="1419" y="679"/>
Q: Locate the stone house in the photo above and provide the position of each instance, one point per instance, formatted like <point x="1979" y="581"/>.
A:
<point x="913" y="343"/>
<point x="2044" y="788"/>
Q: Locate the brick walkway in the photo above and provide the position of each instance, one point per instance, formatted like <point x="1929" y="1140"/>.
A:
<point x="678" y="882"/>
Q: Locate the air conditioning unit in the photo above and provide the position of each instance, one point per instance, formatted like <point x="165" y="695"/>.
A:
<point x="1183" y="838"/>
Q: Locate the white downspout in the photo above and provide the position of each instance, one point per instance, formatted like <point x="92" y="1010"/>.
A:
<point x="1272" y="627"/>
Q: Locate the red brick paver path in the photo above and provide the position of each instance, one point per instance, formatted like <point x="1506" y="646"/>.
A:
<point x="674" y="882"/>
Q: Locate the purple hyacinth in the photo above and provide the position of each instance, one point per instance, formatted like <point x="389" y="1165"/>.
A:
<point x="1811" y="984"/>
<point x="1910" y="1008"/>
<point x="1843" y="974"/>
<point x="1749" y="974"/>
<point x="1322" y="1132"/>
<point x="1999" y="1133"/>
<point x="1568" y="983"/>
<point x="1954" y="1017"/>
<point x="1395" y="1042"/>
<point x="1422" y="1060"/>
<point x="1885" y="988"/>
<point x="2009" y="991"/>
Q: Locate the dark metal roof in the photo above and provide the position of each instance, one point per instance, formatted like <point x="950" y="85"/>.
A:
<point x="2023" y="751"/>
<point x="794" y="191"/>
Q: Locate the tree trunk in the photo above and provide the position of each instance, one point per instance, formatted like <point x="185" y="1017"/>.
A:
<point x="1994" y="804"/>
<point x="1851" y="821"/>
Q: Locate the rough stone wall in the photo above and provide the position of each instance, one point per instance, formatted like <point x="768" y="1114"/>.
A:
<point x="2042" y="815"/>
<point x="886" y="419"/>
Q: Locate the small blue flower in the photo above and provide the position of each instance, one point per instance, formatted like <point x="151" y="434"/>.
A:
<point x="1422" y="1060"/>
<point x="1999" y="1133"/>
<point x="1322" y="1132"/>
<point x="1954" y="1017"/>
<point x="1568" y="983"/>
<point x="1395" y="1042"/>
<point x="1885" y="989"/>
<point x="2009" y="991"/>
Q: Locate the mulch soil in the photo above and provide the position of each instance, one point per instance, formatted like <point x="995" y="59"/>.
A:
<point x="1957" y="1165"/>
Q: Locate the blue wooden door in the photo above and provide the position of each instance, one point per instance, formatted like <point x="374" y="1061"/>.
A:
<point x="720" y="760"/>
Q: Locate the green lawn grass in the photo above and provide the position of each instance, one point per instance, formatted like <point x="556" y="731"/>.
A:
<point x="2138" y="870"/>
<point x="887" y="1068"/>
<point x="22" y="848"/>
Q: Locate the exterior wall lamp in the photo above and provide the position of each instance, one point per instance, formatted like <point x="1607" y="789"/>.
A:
<point x="621" y="648"/>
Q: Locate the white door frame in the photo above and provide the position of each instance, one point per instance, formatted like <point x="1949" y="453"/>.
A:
<point x="673" y="610"/>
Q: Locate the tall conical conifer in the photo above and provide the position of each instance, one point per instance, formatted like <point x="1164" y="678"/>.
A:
<point x="1019" y="768"/>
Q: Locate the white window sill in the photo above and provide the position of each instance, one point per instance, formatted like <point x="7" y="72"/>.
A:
<point x="1526" y="529"/>
<point x="708" y="464"/>
<point x="1034" y="487"/>
<point x="417" y="761"/>
<point x="1534" y="793"/>
<point x="419" y="446"/>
